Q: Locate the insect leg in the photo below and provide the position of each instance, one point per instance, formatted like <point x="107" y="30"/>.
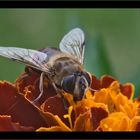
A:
<point x="60" y="94"/>
<point x="40" y="87"/>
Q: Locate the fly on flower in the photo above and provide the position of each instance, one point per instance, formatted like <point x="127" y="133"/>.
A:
<point x="63" y="68"/>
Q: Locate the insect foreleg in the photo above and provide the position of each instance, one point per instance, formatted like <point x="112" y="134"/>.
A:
<point x="40" y="87"/>
<point x="60" y="94"/>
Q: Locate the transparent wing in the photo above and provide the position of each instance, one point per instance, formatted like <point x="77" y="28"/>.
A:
<point x="28" y="57"/>
<point x="74" y="43"/>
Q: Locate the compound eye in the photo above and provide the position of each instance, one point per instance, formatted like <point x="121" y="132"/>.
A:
<point x="69" y="83"/>
<point x="88" y="78"/>
<point x="81" y="82"/>
<point x="83" y="87"/>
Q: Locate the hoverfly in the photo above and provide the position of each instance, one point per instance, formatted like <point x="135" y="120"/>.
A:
<point x="63" y="68"/>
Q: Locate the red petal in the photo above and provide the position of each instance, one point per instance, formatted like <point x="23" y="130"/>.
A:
<point x="7" y="96"/>
<point x="97" y="115"/>
<point x="20" y="109"/>
<point x="138" y="126"/>
<point x="29" y="85"/>
<point x="106" y="80"/>
<point x="7" y="125"/>
<point x="95" y="83"/>
<point x="127" y="90"/>
<point x="24" y="80"/>
<point x="55" y="105"/>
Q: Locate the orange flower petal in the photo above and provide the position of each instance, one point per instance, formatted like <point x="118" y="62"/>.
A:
<point x="69" y="116"/>
<point x="105" y="96"/>
<point x="62" y="125"/>
<point x="117" y="121"/>
<point x="130" y="109"/>
<point x="90" y="114"/>
<point x="49" y="119"/>
<point x="54" y="120"/>
<point x="119" y="100"/>
<point x="135" y="123"/>
<point x="83" y="123"/>
<point x="53" y="128"/>
<point x="126" y="89"/>
<point x="85" y="104"/>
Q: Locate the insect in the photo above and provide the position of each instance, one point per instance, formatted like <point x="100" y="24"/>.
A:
<point x="63" y="68"/>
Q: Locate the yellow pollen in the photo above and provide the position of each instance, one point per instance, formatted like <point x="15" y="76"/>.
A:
<point x="106" y="126"/>
<point x="69" y="116"/>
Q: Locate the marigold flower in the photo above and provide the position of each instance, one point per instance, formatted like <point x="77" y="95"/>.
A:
<point x="109" y="107"/>
<point x="116" y="121"/>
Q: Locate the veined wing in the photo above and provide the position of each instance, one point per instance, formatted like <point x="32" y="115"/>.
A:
<point x="32" y="58"/>
<point x="74" y="43"/>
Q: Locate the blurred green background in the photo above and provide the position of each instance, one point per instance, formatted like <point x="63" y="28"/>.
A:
<point x="112" y="38"/>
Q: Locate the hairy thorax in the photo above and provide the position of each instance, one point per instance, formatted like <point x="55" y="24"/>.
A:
<point x="65" y="66"/>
